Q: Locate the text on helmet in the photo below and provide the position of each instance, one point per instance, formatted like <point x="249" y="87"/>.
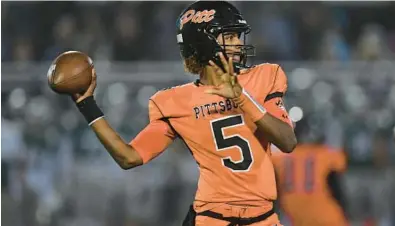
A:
<point x="197" y="16"/>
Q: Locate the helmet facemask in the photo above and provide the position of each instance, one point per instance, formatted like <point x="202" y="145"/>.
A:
<point x="242" y="51"/>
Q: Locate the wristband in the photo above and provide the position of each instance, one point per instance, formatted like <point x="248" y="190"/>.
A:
<point x="250" y="106"/>
<point x="90" y="110"/>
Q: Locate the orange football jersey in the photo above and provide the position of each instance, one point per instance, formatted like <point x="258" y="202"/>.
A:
<point x="235" y="166"/>
<point x="302" y="180"/>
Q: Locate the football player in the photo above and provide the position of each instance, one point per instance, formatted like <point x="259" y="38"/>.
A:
<point x="309" y="179"/>
<point x="227" y="118"/>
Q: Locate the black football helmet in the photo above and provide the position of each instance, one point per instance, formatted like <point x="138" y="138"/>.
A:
<point x="202" y="22"/>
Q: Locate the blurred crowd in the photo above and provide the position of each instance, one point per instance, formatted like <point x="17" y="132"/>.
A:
<point x="339" y="62"/>
<point x="135" y="31"/>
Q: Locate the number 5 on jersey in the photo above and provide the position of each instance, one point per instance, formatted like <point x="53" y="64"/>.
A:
<point x="223" y="142"/>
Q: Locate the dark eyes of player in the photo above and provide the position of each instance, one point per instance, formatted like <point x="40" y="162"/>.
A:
<point x="230" y="36"/>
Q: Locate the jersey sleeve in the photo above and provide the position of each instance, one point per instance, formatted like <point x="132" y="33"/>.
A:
<point x="338" y="160"/>
<point x="274" y="103"/>
<point x="154" y="111"/>
<point x="158" y="130"/>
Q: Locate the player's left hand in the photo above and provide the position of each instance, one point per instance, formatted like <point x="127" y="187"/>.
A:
<point x="228" y="85"/>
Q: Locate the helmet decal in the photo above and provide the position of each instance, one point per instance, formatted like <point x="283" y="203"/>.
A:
<point x="197" y="16"/>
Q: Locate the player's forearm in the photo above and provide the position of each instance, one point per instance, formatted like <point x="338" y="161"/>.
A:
<point x="277" y="132"/>
<point x="122" y="153"/>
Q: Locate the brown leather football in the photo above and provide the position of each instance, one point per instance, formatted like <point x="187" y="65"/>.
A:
<point x="70" y="73"/>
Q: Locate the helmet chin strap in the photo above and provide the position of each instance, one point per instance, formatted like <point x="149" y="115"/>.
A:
<point x="237" y="67"/>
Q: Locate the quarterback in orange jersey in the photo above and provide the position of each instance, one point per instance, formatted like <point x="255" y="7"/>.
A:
<point x="228" y="118"/>
<point x="308" y="180"/>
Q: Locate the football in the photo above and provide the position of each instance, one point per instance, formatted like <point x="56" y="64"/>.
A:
<point x="70" y="73"/>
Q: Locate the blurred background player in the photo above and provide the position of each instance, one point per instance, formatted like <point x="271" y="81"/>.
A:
<point x="309" y="180"/>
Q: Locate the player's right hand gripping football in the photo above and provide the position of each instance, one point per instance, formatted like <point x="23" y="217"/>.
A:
<point x="77" y="97"/>
<point x="228" y="85"/>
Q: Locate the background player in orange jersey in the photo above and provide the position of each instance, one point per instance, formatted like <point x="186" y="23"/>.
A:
<point x="227" y="122"/>
<point x="309" y="180"/>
